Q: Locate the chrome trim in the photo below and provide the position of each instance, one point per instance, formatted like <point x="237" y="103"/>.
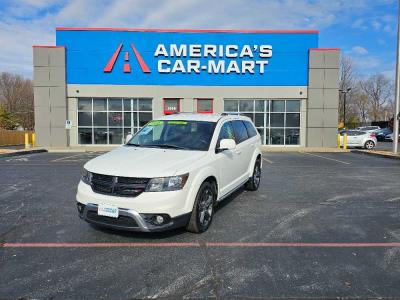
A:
<point x="124" y="212"/>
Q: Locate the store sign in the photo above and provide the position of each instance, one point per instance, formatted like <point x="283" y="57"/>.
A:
<point x="221" y="59"/>
<point x="187" y="58"/>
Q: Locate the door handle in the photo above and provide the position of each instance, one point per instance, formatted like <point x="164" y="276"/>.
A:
<point x="238" y="151"/>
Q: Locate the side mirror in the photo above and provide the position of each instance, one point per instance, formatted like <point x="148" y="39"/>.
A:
<point x="227" y="144"/>
<point x="128" y="137"/>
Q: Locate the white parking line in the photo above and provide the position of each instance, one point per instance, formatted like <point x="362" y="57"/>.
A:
<point x="328" y="158"/>
<point x="267" y="160"/>
<point x="67" y="157"/>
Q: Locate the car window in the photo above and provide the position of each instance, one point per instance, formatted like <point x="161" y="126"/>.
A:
<point x="251" y="131"/>
<point x="359" y="133"/>
<point x="176" y="134"/>
<point x="350" y="133"/>
<point x="226" y="132"/>
<point x="240" y="131"/>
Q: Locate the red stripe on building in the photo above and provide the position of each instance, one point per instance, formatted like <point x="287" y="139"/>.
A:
<point x="324" y="49"/>
<point x="44" y="46"/>
<point x="142" y="64"/>
<point x="306" y="31"/>
<point x="110" y="65"/>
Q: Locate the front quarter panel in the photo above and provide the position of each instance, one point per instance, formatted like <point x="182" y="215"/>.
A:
<point x="199" y="176"/>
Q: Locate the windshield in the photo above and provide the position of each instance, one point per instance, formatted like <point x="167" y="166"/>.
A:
<point x="175" y="134"/>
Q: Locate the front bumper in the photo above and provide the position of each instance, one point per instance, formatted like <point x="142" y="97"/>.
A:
<point x="129" y="220"/>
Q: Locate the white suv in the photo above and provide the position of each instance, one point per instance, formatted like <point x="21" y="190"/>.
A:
<point x="171" y="173"/>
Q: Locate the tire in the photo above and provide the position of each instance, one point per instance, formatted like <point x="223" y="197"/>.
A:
<point x="254" y="181"/>
<point x="203" y="208"/>
<point x="369" y="145"/>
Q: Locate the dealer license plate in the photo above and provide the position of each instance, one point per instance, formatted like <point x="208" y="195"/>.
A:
<point x="107" y="210"/>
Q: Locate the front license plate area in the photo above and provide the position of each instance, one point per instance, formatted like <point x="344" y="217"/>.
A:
<point x="107" y="210"/>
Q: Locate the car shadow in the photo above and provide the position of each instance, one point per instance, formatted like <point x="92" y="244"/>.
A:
<point x="137" y="234"/>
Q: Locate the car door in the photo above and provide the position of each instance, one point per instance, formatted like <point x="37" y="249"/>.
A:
<point x="358" y="138"/>
<point x="229" y="169"/>
<point x="351" y="138"/>
<point x="243" y="148"/>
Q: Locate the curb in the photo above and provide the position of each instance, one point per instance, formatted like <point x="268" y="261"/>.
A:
<point x="375" y="154"/>
<point x="22" y="152"/>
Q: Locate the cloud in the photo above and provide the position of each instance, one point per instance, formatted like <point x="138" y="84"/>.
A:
<point x="27" y="22"/>
<point x="358" y="50"/>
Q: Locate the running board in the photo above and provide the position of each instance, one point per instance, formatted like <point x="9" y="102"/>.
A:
<point x="232" y="191"/>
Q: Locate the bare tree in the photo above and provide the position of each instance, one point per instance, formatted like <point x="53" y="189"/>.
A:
<point x="378" y="89"/>
<point x="347" y="80"/>
<point x="16" y="95"/>
<point x="362" y="105"/>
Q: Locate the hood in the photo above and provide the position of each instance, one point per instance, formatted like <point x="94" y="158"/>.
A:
<point x="143" y="162"/>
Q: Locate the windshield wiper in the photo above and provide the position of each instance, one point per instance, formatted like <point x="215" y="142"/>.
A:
<point x="168" y="146"/>
<point x="133" y="145"/>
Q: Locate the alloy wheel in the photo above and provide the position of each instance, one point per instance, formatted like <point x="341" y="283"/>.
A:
<point x="206" y="207"/>
<point x="257" y="175"/>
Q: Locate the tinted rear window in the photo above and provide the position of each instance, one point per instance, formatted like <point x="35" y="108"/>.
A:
<point x="251" y="131"/>
<point x="240" y="131"/>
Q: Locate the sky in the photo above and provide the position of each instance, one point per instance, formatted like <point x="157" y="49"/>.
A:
<point x="365" y="30"/>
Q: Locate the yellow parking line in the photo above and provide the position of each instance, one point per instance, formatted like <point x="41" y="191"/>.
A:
<point x="328" y="158"/>
<point x="267" y="160"/>
<point x="67" y="157"/>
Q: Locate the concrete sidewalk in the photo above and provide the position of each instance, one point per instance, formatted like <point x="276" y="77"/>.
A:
<point x="381" y="153"/>
<point x="263" y="148"/>
<point x="17" y="152"/>
<point x="302" y="149"/>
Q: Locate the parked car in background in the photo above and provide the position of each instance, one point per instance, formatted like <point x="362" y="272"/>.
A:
<point x="368" y="128"/>
<point x="382" y="133"/>
<point x="357" y="138"/>
<point x="389" y="137"/>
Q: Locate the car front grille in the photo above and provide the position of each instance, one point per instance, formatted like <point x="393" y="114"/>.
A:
<point x="118" y="186"/>
<point x="124" y="221"/>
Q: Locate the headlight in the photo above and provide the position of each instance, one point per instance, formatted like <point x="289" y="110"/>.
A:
<point x="86" y="176"/>
<point x="164" y="184"/>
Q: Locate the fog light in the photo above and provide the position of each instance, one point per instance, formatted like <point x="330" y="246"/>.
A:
<point x="159" y="220"/>
<point x="81" y="207"/>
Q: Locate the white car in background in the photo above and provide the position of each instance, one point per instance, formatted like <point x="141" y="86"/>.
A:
<point x="368" y="128"/>
<point x="357" y="138"/>
<point x="171" y="173"/>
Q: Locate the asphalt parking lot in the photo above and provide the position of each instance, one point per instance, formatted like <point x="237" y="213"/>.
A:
<point x="321" y="225"/>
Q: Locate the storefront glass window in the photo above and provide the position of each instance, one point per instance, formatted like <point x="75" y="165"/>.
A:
<point x="277" y="121"/>
<point x="108" y="121"/>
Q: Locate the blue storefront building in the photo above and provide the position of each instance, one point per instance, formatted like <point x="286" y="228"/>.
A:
<point x="96" y="85"/>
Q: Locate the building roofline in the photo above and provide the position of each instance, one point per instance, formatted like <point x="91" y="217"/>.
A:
<point x="324" y="49"/>
<point x="46" y="46"/>
<point x="284" y="31"/>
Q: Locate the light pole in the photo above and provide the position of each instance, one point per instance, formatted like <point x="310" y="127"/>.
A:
<point x="344" y="92"/>
<point x="397" y="99"/>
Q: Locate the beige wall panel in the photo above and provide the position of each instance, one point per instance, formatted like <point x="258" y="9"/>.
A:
<point x="75" y="90"/>
<point x="315" y="118"/>
<point x="331" y="79"/>
<point x="40" y="57"/>
<point x="316" y="78"/>
<point x="41" y="96"/>
<point x="315" y="98"/>
<point x="41" y="76"/>
<point x="316" y="60"/>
